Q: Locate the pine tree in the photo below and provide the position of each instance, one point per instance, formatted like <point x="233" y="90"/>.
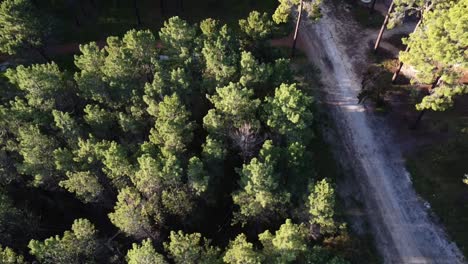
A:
<point x="288" y="243"/>
<point x="173" y="129"/>
<point x="80" y="245"/>
<point x="285" y="8"/>
<point x="253" y="74"/>
<point x="234" y="106"/>
<point x="256" y="29"/>
<point x="85" y="186"/>
<point x="45" y="86"/>
<point x="8" y="256"/>
<point x="178" y="39"/>
<point x="221" y="54"/>
<point x="144" y="254"/>
<point x="21" y="27"/>
<point x="437" y="51"/>
<point x="130" y="214"/>
<point x="261" y="196"/>
<point x="240" y="251"/>
<point x="191" y="248"/>
<point x="288" y="112"/>
<point x="322" y="206"/>
<point x="198" y="178"/>
<point x="37" y="152"/>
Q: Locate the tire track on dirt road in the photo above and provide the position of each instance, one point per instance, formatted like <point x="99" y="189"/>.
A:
<point x="402" y="227"/>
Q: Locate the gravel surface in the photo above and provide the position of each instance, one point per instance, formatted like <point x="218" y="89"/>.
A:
<point x="402" y="226"/>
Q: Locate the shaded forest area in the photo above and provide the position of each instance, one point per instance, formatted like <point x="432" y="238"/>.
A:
<point x="186" y="143"/>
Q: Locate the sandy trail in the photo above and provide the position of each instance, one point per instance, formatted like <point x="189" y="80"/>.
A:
<point x="403" y="230"/>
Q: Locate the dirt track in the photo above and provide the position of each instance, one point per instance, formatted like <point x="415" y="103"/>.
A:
<point x="403" y="229"/>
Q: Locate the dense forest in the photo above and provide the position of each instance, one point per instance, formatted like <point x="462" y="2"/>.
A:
<point x="191" y="145"/>
<point x="185" y="136"/>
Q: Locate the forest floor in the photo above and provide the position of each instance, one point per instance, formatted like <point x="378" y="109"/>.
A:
<point x="403" y="227"/>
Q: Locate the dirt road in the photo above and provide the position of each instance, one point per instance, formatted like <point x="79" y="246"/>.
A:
<point x="403" y="229"/>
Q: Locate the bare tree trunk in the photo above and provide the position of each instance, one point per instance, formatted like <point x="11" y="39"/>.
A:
<point x="421" y="114"/>
<point x="372" y="7"/>
<point x="384" y="25"/>
<point x="296" y="31"/>
<point x="137" y="12"/>
<point x="400" y="65"/>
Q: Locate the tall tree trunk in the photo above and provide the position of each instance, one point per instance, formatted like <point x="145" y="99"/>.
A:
<point x="400" y="65"/>
<point x="416" y="123"/>
<point x="384" y="25"/>
<point x="421" y="114"/>
<point x="296" y="31"/>
<point x="372" y="7"/>
<point x="137" y="12"/>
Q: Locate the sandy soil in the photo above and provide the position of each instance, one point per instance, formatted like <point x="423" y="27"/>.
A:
<point x="402" y="226"/>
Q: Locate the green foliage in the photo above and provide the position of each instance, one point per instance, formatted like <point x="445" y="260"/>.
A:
<point x="84" y="185"/>
<point x="116" y="165"/>
<point x="213" y="150"/>
<point x="68" y="126"/>
<point x="115" y="74"/>
<point x="234" y="106"/>
<point x="404" y="8"/>
<point x="209" y="27"/>
<point x="284" y="9"/>
<point x="198" y="178"/>
<point x="257" y="26"/>
<point x="289" y="112"/>
<point x="173" y="130"/>
<point x="44" y="85"/>
<point x="144" y="254"/>
<point x="36" y="150"/>
<point x="322" y="206"/>
<point x="80" y="245"/>
<point x="99" y="119"/>
<point x="282" y="73"/>
<point x="167" y="82"/>
<point x="191" y="248"/>
<point x="22" y="26"/>
<point x="240" y="251"/>
<point x="289" y="242"/>
<point x="178" y="201"/>
<point x="148" y="179"/>
<point x="89" y="78"/>
<point x="438" y="49"/>
<point x="178" y="38"/>
<point x="261" y="196"/>
<point x="141" y="45"/>
<point x="221" y="55"/>
<point x="121" y="130"/>
<point x="253" y="73"/>
<point x="8" y="256"/>
<point x="130" y="214"/>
